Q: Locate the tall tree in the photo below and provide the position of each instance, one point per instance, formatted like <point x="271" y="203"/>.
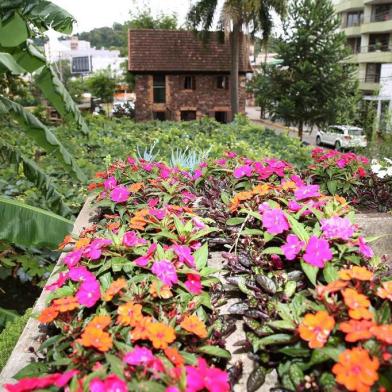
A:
<point x="235" y="17"/>
<point x="312" y="81"/>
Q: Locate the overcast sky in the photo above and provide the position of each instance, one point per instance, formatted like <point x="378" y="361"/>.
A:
<point x="99" y="13"/>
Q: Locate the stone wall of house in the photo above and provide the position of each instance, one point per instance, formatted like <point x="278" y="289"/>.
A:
<point x="206" y="99"/>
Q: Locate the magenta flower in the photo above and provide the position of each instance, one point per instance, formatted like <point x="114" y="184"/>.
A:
<point x="159" y="213"/>
<point x="165" y="271"/>
<point x="230" y="154"/>
<point x="197" y="174"/>
<point x="263" y="207"/>
<point x="110" y="183"/>
<point x="172" y="389"/>
<point x="294" y="206"/>
<point x="242" y="171"/>
<point x="153" y="202"/>
<point x="221" y="162"/>
<point x="193" y="284"/>
<point x="139" y="356"/>
<point x="317" y="252"/>
<point x="89" y="293"/>
<point x="131" y="239"/>
<point x="275" y="221"/>
<point x="297" y="180"/>
<point x="337" y="227"/>
<point x="184" y="255"/>
<point x="292" y="247"/>
<point x="112" y="383"/>
<point x="198" y="222"/>
<point x="93" y="251"/>
<point x="119" y="194"/>
<point x="80" y="274"/>
<point x="73" y="258"/>
<point x="204" y="377"/>
<point x="58" y="283"/>
<point x="364" y="249"/>
<point x="164" y="172"/>
<point x="143" y="260"/>
<point x="307" y="191"/>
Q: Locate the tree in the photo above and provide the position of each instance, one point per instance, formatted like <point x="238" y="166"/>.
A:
<point x="102" y="85"/>
<point x="312" y="82"/>
<point x="236" y="16"/>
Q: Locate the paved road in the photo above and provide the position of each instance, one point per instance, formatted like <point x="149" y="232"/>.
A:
<point x="253" y="113"/>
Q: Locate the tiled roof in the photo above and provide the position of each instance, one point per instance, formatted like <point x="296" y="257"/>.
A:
<point x="181" y="51"/>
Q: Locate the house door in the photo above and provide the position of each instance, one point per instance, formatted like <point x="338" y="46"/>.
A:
<point x="188" y="115"/>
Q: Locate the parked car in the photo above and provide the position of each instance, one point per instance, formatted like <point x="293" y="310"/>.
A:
<point x="342" y="136"/>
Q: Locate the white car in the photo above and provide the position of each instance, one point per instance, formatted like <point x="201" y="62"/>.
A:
<point x="342" y="136"/>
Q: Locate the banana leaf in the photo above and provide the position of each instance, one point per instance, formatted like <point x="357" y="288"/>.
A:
<point x="8" y="63"/>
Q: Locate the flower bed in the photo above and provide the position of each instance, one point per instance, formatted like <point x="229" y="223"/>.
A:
<point x="136" y="305"/>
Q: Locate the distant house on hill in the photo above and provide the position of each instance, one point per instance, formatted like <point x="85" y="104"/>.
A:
<point x="180" y="77"/>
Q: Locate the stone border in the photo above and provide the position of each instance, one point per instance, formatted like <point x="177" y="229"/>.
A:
<point x="28" y="343"/>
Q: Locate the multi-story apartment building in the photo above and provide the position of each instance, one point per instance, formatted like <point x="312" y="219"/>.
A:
<point x="368" y="27"/>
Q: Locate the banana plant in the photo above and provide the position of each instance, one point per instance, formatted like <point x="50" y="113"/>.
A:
<point x="21" y="22"/>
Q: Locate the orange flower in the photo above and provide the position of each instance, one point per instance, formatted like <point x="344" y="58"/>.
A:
<point x="332" y="287"/>
<point x="261" y="189"/>
<point x="48" y="315"/>
<point x="174" y="356"/>
<point x="161" y="292"/>
<point x="385" y="291"/>
<point x="357" y="330"/>
<point x="315" y="328"/>
<point x="82" y="242"/>
<point x="114" y="289"/>
<point x="358" y="304"/>
<point x="341" y="200"/>
<point x="138" y="222"/>
<point x="65" y="304"/>
<point x="99" y="322"/>
<point x="135" y="187"/>
<point x="241" y="196"/>
<point x="140" y="332"/>
<point x="129" y="314"/>
<point x="113" y="226"/>
<point x="160" y="335"/>
<point x="289" y="185"/>
<point x="67" y="240"/>
<point x="356" y="370"/>
<point x="358" y="273"/>
<point x="383" y="333"/>
<point x="95" y="337"/>
<point x="194" y="325"/>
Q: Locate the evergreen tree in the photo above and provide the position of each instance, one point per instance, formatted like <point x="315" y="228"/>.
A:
<point x="312" y="83"/>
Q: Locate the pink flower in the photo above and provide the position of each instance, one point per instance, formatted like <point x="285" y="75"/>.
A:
<point x="153" y="202"/>
<point x="317" y="252"/>
<point x="197" y="174"/>
<point x="242" y="171"/>
<point x="93" y="251"/>
<point x="73" y="258"/>
<point x="147" y="166"/>
<point x="165" y="271"/>
<point x="158" y="213"/>
<point x="80" y="274"/>
<point x="184" y="255"/>
<point x="364" y="249"/>
<point x="294" y="206"/>
<point x="275" y="221"/>
<point x="119" y="194"/>
<point x="292" y="247"/>
<point x="111" y="384"/>
<point x="172" y="389"/>
<point x="230" y="154"/>
<point x="337" y="227"/>
<point x="341" y="163"/>
<point x="139" y="356"/>
<point x="297" y="180"/>
<point x="143" y="260"/>
<point x="307" y="191"/>
<point x="204" y="377"/>
<point x="131" y="239"/>
<point x="58" y="380"/>
<point x="164" y="172"/>
<point x="264" y="207"/>
<point x="58" y="283"/>
<point x="110" y="183"/>
<point x="89" y="293"/>
<point x="221" y="162"/>
<point x="198" y="222"/>
<point x="193" y="284"/>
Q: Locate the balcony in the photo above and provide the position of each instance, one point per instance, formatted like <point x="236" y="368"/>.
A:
<point x="368" y="86"/>
<point x="348" y="5"/>
<point x="352" y="31"/>
<point x="375" y="53"/>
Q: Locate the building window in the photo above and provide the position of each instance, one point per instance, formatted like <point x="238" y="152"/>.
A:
<point x="161" y="116"/>
<point x="188" y="115"/>
<point x="159" y="86"/>
<point x="354" y="18"/>
<point x="378" y="42"/>
<point x="189" y="83"/>
<point x="381" y="12"/>
<point x="222" y="82"/>
<point x="373" y="73"/>
<point x="221" y="117"/>
<point x="354" y="44"/>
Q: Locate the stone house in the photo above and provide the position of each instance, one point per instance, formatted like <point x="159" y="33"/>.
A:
<point x="180" y="77"/>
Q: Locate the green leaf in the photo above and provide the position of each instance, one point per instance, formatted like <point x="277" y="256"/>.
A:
<point x="13" y="32"/>
<point x="31" y="226"/>
<point x="282" y="324"/>
<point x="296" y="374"/>
<point x="290" y="288"/>
<point x="330" y="273"/>
<point x="298" y="228"/>
<point x="310" y="271"/>
<point x="332" y="186"/>
<point x="295" y="351"/>
<point x="279" y="338"/>
<point x="201" y="257"/>
<point x="383" y="314"/>
<point x="235" y="221"/>
<point x="116" y="365"/>
<point x="8" y="63"/>
<point x="256" y="379"/>
<point x="273" y="250"/>
<point x="29" y="57"/>
<point x="7" y="315"/>
<point x="40" y="133"/>
<point x="33" y="369"/>
<point x="214" y="351"/>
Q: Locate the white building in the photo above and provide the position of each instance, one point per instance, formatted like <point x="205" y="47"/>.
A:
<point x="84" y="59"/>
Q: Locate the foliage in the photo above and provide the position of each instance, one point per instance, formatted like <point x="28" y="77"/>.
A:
<point x="311" y="83"/>
<point x="101" y="85"/>
<point x="10" y="335"/>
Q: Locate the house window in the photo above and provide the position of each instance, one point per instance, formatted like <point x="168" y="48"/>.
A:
<point x="221" y="117"/>
<point x="354" y="44"/>
<point x="159" y="86"/>
<point x="189" y="83"/>
<point x="373" y="73"/>
<point x="378" y="42"/>
<point x="161" y="116"/>
<point x="354" y="18"/>
<point x="222" y="82"/>
<point x="381" y="12"/>
<point x="188" y="115"/>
